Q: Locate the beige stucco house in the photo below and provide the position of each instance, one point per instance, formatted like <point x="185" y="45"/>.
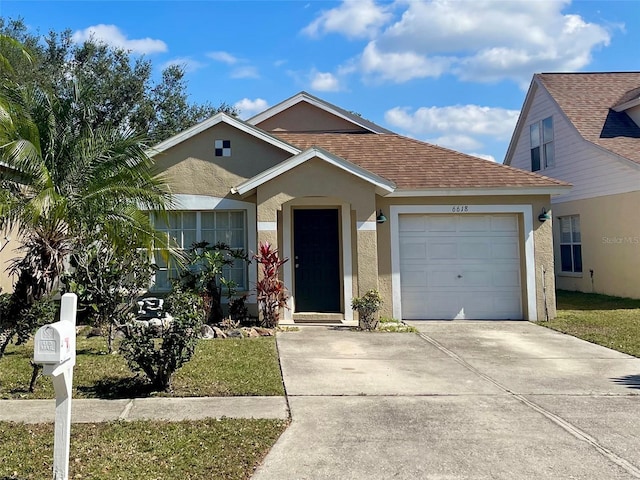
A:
<point x="584" y="128"/>
<point x="440" y="234"/>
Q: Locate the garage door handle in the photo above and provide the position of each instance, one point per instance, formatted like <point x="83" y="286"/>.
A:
<point x="459" y="276"/>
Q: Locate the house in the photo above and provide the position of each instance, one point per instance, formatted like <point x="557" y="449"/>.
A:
<point x="441" y="234"/>
<point x="584" y="128"/>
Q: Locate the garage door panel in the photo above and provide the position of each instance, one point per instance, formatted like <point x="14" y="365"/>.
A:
<point x="460" y="266"/>
<point x="412" y="249"/>
<point x="442" y="250"/>
<point x="475" y="249"/>
<point x="474" y="224"/>
<point x="506" y="223"/>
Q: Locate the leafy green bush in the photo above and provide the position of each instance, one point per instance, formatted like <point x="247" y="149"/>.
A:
<point x="159" y="356"/>
<point x="367" y="307"/>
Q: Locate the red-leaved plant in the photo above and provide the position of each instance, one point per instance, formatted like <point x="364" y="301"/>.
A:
<point x="272" y="294"/>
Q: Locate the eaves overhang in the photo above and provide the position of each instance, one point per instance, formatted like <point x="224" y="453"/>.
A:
<point x="480" y="191"/>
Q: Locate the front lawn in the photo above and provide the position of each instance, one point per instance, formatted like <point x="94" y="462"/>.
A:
<point x="609" y="321"/>
<point x="221" y="449"/>
<point x="226" y="367"/>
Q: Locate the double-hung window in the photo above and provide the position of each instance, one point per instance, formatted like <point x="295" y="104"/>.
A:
<point x="542" y="150"/>
<point x="570" y="244"/>
<point x="183" y="229"/>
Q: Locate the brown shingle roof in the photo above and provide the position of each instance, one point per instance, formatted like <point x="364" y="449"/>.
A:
<point x="587" y="100"/>
<point x="415" y="165"/>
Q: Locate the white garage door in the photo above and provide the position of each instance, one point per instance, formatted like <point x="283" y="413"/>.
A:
<point x="460" y="266"/>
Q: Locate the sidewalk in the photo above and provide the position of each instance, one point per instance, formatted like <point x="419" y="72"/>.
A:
<point x="156" y="408"/>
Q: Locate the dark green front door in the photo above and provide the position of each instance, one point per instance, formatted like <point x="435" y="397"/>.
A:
<point x="316" y="258"/>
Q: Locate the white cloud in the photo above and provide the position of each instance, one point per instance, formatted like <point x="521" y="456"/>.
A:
<point x="465" y="128"/>
<point x="491" y="158"/>
<point x="246" y="71"/>
<point x="460" y="143"/>
<point x="224" y="57"/>
<point x="189" y="64"/>
<point x="353" y="18"/>
<point x="324" y="82"/>
<point x="479" y="40"/>
<point x="400" y="66"/>
<point x="111" y="35"/>
<point x="248" y="108"/>
<point x="497" y="123"/>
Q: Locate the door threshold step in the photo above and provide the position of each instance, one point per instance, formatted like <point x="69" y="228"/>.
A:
<point x="319" y="318"/>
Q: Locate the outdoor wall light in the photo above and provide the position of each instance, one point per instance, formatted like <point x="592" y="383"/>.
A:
<point x="381" y="218"/>
<point x="544" y="216"/>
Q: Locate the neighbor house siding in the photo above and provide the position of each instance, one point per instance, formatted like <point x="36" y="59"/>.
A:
<point x="593" y="171"/>
<point x="610" y="245"/>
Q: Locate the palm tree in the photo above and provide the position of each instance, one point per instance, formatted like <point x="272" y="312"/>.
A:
<point x="66" y="182"/>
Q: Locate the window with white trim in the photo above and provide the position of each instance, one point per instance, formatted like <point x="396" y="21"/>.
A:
<point x="542" y="145"/>
<point x="183" y="229"/>
<point x="570" y="244"/>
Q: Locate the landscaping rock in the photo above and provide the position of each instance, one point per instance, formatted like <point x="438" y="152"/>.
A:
<point x="264" y="332"/>
<point x="207" y="332"/>
<point x="218" y="333"/>
<point x="94" y="332"/>
<point x="235" y="334"/>
<point x="252" y="333"/>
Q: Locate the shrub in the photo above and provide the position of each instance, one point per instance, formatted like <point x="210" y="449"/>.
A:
<point x="204" y="275"/>
<point x="367" y="307"/>
<point x="272" y="294"/>
<point x="107" y="284"/>
<point x="159" y="356"/>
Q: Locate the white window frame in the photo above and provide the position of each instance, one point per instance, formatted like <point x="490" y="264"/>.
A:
<point x="571" y="243"/>
<point x="543" y="143"/>
<point x="204" y="203"/>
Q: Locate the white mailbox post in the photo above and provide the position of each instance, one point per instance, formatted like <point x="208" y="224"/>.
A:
<point x="55" y="349"/>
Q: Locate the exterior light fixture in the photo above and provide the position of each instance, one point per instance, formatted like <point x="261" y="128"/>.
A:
<point x="381" y="218"/>
<point x="544" y="216"/>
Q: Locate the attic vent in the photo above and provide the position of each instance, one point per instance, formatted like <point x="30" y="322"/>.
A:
<point x="223" y="148"/>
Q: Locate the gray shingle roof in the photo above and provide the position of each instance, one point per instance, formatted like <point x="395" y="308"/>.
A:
<point x="588" y="99"/>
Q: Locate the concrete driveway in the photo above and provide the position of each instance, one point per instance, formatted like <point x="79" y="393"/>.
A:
<point x="461" y="400"/>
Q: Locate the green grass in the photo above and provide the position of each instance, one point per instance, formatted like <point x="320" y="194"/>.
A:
<point x="219" y="368"/>
<point x="220" y="449"/>
<point x="393" y="325"/>
<point x="608" y="321"/>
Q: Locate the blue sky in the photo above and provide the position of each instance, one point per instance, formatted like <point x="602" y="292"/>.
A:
<point x="453" y="73"/>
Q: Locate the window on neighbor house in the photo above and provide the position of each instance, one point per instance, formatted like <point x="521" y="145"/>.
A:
<point x="183" y="229"/>
<point x="570" y="244"/>
<point x="542" y="150"/>
<point x="222" y="148"/>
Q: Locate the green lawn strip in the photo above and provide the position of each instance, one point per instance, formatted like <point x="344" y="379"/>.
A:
<point x="608" y="321"/>
<point x="220" y="449"/>
<point x="219" y="368"/>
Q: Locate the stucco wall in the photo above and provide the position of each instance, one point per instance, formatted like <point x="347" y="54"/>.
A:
<point x="316" y="183"/>
<point x="303" y="117"/>
<point x="9" y="243"/>
<point x="610" y="229"/>
<point x="542" y="234"/>
<point x="192" y="167"/>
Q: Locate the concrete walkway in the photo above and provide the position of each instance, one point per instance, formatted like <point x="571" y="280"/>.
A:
<point x="461" y="400"/>
<point x="157" y="408"/>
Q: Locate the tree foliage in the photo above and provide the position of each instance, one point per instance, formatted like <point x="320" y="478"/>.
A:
<point x="123" y="86"/>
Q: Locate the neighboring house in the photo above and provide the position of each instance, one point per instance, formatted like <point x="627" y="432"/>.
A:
<point x="584" y="128"/>
<point x="440" y="234"/>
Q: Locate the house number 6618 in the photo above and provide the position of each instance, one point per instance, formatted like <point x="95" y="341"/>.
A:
<point x="460" y="208"/>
